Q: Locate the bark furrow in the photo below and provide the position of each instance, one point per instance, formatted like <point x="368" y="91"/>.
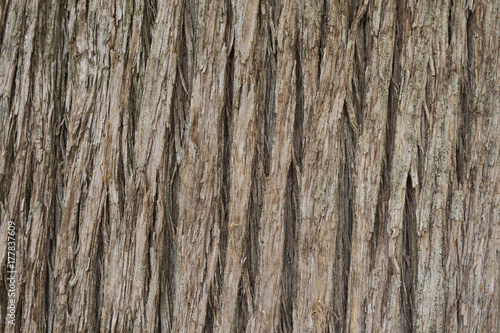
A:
<point x="259" y="166"/>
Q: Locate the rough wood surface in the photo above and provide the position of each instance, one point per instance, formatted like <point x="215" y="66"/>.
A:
<point x="258" y="166"/>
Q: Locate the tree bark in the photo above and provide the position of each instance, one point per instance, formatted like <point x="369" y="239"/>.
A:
<point x="258" y="166"/>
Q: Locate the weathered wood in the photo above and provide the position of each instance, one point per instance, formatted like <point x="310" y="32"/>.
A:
<point x="259" y="166"/>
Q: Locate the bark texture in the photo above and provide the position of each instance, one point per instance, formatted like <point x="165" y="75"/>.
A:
<point x="251" y="165"/>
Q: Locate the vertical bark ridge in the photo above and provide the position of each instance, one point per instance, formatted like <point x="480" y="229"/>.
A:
<point x="81" y="284"/>
<point x="27" y="130"/>
<point x="30" y="203"/>
<point x="310" y="23"/>
<point x="200" y="203"/>
<point x="246" y="102"/>
<point x="262" y="163"/>
<point x="391" y="317"/>
<point x="267" y="314"/>
<point x="13" y="151"/>
<point x="149" y="186"/>
<point x="411" y="95"/>
<point x="130" y="61"/>
<point x="271" y="84"/>
<point x="71" y="266"/>
<point x="445" y="78"/>
<point x="320" y="178"/>
<point x="40" y="221"/>
<point x="268" y="166"/>
<point x="369" y="163"/>
<point x="479" y="265"/>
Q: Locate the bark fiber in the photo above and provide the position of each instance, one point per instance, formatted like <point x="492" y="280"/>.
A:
<point x="251" y="165"/>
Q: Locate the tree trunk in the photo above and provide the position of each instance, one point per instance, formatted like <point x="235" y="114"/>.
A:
<point x="246" y="165"/>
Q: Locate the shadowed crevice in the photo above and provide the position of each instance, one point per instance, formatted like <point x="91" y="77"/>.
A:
<point x="322" y="38"/>
<point x="214" y="305"/>
<point x="409" y="256"/>
<point x="269" y="106"/>
<point x="291" y="251"/>
<point x="299" y="110"/>
<point x="346" y="221"/>
<point x="150" y="10"/>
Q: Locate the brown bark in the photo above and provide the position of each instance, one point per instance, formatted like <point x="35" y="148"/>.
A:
<point x="259" y="166"/>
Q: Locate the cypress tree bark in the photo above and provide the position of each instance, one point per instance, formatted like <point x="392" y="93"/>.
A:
<point x="258" y="166"/>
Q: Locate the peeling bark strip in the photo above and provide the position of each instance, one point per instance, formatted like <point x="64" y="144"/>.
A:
<point x="268" y="166"/>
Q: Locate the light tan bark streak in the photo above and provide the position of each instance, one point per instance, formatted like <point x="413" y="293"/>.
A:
<point x="249" y="60"/>
<point x="438" y="167"/>
<point x="35" y="250"/>
<point x="367" y="282"/>
<point x="79" y="114"/>
<point x="80" y="294"/>
<point x="479" y="259"/>
<point x="266" y="316"/>
<point x="305" y="315"/>
<point x="385" y="284"/>
<point x="119" y="190"/>
<point x="146" y="210"/>
<point x="116" y="241"/>
<point x="320" y="182"/>
<point x="19" y="107"/>
<point x="200" y="202"/>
